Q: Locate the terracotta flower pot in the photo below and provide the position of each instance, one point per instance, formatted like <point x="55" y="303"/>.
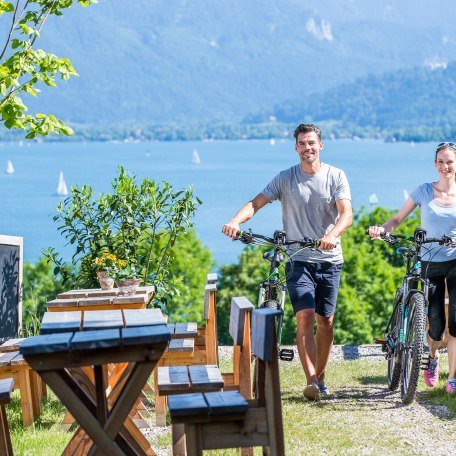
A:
<point x="106" y="283"/>
<point x="128" y="287"/>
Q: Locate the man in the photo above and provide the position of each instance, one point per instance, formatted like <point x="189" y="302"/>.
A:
<point x="316" y="202"/>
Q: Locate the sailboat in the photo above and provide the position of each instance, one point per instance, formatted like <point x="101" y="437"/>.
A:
<point x="9" y="167"/>
<point x="373" y="199"/>
<point x="196" y="160"/>
<point x="62" y="189"/>
<point x="272" y="142"/>
<point x="406" y="194"/>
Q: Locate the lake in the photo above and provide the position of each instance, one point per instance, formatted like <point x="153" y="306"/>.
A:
<point x="230" y="173"/>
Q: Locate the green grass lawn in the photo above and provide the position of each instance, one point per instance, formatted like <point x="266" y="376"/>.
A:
<point x="360" y="417"/>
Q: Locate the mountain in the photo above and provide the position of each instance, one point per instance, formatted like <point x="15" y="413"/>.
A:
<point x="400" y="99"/>
<point x="157" y="61"/>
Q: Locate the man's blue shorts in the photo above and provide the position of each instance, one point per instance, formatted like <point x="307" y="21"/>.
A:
<point x="313" y="286"/>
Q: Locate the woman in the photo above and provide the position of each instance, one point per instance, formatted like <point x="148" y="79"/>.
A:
<point x="438" y="217"/>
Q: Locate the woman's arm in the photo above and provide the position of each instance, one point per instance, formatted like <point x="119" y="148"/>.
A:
<point x="395" y="221"/>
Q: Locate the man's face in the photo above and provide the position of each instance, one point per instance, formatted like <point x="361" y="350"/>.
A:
<point x="308" y="147"/>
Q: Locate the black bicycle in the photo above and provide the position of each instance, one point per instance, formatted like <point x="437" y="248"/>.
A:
<point x="403" y="341"/>
<point x="272" y="291"/>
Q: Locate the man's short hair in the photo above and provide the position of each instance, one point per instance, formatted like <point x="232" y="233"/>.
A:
<point x="306" y="128"/>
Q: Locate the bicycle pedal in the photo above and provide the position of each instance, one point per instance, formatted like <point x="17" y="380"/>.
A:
<point x="286" y="354"/>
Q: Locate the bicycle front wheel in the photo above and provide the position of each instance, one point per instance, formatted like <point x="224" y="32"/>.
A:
<point x="414" y="346"/>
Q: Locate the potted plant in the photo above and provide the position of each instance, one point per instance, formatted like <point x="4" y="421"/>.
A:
<point x="125" y="277"/>
<point x="106" y="265"/>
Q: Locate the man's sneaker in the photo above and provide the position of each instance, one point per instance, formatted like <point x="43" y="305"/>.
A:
<point x="451" y="386"/>
<point x="312" y="392"/>
<point x="431" y="373"/>
<point x="324" y="390"/>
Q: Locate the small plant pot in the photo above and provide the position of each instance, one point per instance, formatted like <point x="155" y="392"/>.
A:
<point x="106" y="283"/>
<point x="128" y="287"/>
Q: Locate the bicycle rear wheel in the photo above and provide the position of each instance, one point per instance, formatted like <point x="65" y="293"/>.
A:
<point x="395" y="355"/>
<point x="414" y="346"/>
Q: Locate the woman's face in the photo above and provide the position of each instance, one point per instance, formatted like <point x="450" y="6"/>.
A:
<point x="445" y="163"/>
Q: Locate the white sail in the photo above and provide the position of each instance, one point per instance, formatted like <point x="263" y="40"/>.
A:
<point x="9" y="167"/>
<point x="272" y="142"/>
<point x="62" y="189"/>
<point x="373" y="199"/>
<point x="196" y="160"/>
<point x="406" y="195"/>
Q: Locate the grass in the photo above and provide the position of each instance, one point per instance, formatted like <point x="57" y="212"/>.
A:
<point x="361" y="417"/>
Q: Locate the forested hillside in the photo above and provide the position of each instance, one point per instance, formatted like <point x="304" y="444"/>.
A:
<point x="401" y="99"/>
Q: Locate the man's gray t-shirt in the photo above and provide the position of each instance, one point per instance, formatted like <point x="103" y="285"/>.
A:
<point x="437" y="220"/>
<point x="309" y="207"/>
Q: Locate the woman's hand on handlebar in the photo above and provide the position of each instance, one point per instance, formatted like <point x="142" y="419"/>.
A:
<point x="375" y="231"/>
<point x="231" y="229"/>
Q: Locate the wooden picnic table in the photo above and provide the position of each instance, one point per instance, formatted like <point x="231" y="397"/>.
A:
<point x="70" y="342"/>
<point x="98" y="299"/>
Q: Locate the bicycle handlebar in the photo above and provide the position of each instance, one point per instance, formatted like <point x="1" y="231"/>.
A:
<point x="247" y="237"/>
<point x="418" y="238"/>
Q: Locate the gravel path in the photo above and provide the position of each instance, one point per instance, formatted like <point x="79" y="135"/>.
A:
<point x="424" y="428"/>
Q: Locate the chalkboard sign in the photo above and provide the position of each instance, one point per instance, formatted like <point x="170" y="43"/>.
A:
<point x="11" y="253"/>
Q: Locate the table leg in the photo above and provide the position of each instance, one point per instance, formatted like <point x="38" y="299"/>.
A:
<point x="35" y="393"/>
<point x="26" y="396"/>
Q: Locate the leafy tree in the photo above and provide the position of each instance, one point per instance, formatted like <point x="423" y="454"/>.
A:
<point x="23" y="68"/>
<point x="137" y="222"/>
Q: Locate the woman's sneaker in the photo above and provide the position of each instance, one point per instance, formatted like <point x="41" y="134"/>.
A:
<point x="451" y="386"/>
<point x="431" y="373"/>
<point x="312" y="392"/>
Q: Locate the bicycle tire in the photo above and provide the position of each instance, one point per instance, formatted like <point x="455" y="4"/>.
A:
<point x="395" y="359"/>
<point x="414" y="347"/>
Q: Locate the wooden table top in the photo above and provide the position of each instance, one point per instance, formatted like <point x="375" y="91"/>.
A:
<point x="100" y="299"/>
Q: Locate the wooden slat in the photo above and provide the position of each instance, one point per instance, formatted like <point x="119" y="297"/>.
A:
<point x="102" y="319"/>
<point x="187" y="404"/>
<point x="54" y="322"/>
<point x="6" y="387"/>
<point x="205" y="377"/>
<point x="211" y="278"/>
<point x="18" y="360"/>
<point x="142" y="298"/>
<point x="185" y="330"/>
<point x="226" y="402"/>
<point x="92" y="301"/>
<point x="104" y="338"/>
<point x="5" y="358"/>
<point x="173" y="378"/>
<point x="145" y="335"/>
<point x="239" y="306"/>
<point x="98" y="292"/>
<point x="11" y="345"/>
<point x="142" y="317"/>
<point x="50" y="343"/>
<point x="263" y="327"/>
<point x="181" y="345"/>
<point x="172" y="328"/>
<point x="62" y="303"/>
<point x="209" y="289"/>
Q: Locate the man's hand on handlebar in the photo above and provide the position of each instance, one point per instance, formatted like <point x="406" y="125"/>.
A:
<point x="231" y="229"/>
<point x="376" y="231"/>
<point x="328" y="242"/>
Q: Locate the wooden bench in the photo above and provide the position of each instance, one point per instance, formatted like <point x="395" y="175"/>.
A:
<point x="6" y="387"/>
<point x="13" y="365"/>
<point x="189" y="347"/>
<point x="241" y="377"/>
<point x="227" y="420"/>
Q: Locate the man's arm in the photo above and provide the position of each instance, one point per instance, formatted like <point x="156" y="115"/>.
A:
<point x="328" y="241"/>
<point x="245" y="213"/>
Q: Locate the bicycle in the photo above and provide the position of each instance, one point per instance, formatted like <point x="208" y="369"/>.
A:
<point x="272" y="291"/>
<point x="403" y="341"/>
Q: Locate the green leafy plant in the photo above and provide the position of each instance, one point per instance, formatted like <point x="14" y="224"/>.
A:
<point x="128" y="271"/>
<point x="137" y="222"/>
<point x="23" y="68"/>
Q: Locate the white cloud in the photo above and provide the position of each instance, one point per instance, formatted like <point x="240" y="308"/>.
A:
<point x="321" y="31"/>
